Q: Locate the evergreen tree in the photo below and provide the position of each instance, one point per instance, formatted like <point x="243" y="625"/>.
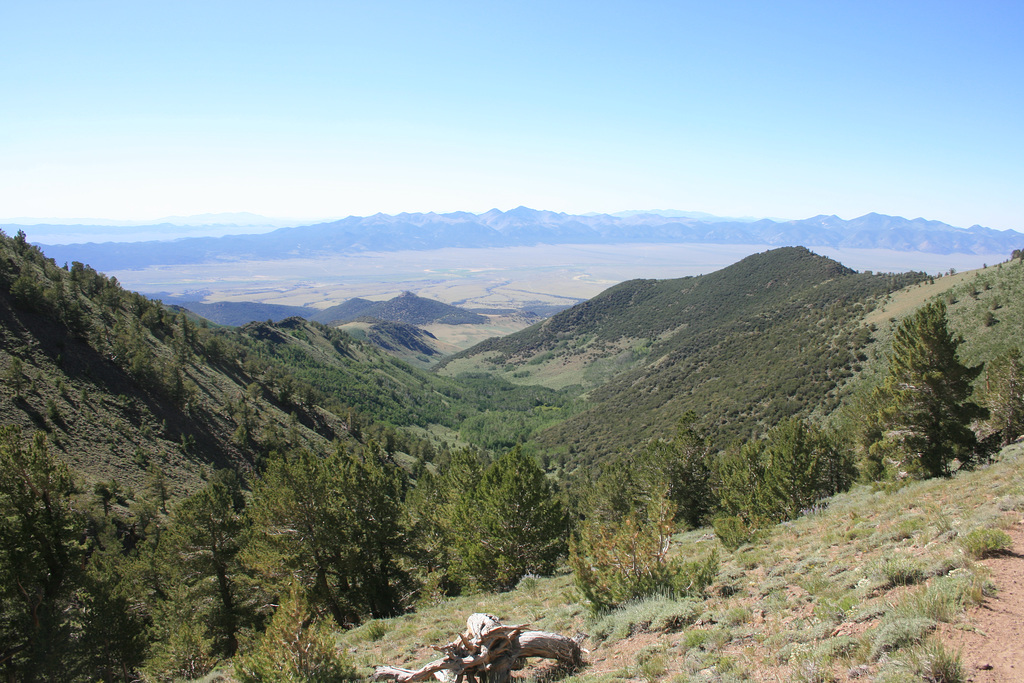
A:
<point x="678" y="468"/>
<point x="511" y="525"/>
<point x="430" y="516"/>
<point x="202" y="547"/>
<point x="620" y="558"/>
<point x="770" y="480"/>
<point x="925" y="411"/>
<point x="684" y="464"/>
<point x="41" y="556"/>
<point x="332" y="523"/>
<point x="1004" y="394"/>
<point x="296" y="647"/>
<point x="741" y="473"/>
<point x="803" y="467"/>
<point x="114" y="622"/>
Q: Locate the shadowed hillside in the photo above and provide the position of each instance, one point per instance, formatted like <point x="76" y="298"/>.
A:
<point x="123" y="385"/>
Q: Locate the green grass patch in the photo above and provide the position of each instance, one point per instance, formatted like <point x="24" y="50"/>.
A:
<point x="982" y="543"/>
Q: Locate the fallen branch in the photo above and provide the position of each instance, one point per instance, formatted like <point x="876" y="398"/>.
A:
<point x="487" y="651"/>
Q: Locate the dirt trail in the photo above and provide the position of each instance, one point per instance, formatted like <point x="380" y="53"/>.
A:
<point x="994" y="651"/>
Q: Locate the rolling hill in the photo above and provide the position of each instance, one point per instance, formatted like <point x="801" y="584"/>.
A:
<point x="406" y="308"/>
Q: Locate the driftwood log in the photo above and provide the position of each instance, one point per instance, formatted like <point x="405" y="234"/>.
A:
<point x="487" y="652"/>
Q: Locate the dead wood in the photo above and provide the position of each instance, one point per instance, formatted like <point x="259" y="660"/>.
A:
<point x="487" y="652"/>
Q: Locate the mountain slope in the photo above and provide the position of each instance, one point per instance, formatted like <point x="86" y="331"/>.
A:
<point x="847" y="592"/>
<point x="405" y="308"/>
<point x="771" y="336"/>
<point x="122" y="383"/>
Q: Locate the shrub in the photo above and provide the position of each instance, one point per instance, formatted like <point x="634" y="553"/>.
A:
<point x="616" y="562"/>
<point x="656" y="613"/>
<point x="901" y="571"/>
<point x="810" y="669"/>
<point x="831" y="649"/>
<point x="900" y="632"/>
<point x="935" y="664"/>
<point x="186" y="654"/>
<point x="733" y="531"/>
<point x="946" y="597"/>
<point x="376" y="630"/>
<point x="292" y="650"/>
<point x="985" y="542"/>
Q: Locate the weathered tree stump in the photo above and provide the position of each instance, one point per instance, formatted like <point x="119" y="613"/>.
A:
<point x="487" y="652"/>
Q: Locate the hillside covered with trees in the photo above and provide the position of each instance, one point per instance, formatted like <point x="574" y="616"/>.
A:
<point x="775" y="335"/>
<point x="179" y="498"/>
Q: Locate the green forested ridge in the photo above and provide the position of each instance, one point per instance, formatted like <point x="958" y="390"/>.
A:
<point x="404" y="308"/>
<point x="297" y="501"/>
<point x="772" y="336"/>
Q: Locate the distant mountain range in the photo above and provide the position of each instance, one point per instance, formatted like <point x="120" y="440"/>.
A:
<point x="75" y="230"/>
<point x="528" y="227"/>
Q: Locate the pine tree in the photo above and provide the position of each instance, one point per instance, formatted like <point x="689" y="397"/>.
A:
<point x="430" y="517"/>
<point x="1004" y="394"/>
<point x="41" y="556"/>
<point x="684" y="463"/>
<point x="202" y="547"/>
<point x="773" y="479"/>
<point x="332" y="523"/>
<point x="511" y="525"/>
<point x="803" y="467"/>
<point x="925" y="410"/>
<point x="296" y="647"/>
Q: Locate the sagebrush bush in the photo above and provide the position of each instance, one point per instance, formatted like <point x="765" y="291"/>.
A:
<point x="655" y="613"/>
<point x="947" y="597"/>
<point x="900" y="632"/>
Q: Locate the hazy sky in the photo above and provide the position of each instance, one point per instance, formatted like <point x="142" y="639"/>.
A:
<point x="143" y="109"/>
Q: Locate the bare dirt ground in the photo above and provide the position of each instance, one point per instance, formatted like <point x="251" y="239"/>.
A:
<point x="993" y="652"/>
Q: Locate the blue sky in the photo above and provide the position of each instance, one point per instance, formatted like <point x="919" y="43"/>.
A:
<point x="320" y="109"/>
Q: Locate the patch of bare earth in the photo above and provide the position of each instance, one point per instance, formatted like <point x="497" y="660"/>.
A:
<point x="993" y="650"/>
